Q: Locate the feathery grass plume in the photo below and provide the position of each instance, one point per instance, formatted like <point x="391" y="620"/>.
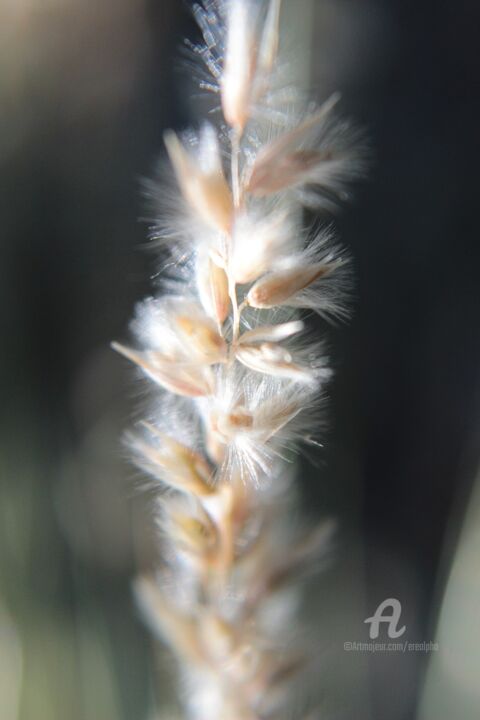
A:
<point x="236" y="381"/>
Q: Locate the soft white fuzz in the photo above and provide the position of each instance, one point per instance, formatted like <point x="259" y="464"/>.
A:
<point x="238" y="381"/>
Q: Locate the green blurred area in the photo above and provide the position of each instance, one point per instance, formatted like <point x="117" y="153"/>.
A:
<point x="76" y="132"/>
<point x="71" y="642"/>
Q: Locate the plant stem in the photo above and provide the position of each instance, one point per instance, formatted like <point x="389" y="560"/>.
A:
<point x="235" y="172"/>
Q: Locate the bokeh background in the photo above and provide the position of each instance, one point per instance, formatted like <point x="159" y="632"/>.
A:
<point x="86" y="90"/>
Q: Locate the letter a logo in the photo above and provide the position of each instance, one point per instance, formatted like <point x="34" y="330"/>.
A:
<point x="392" y="619"/>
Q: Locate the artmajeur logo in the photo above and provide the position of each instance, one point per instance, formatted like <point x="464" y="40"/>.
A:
<point x="388" y="613"/>
<point x="391" y="619"/>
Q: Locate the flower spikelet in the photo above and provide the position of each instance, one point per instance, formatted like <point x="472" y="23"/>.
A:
<point x="234" y="377"/>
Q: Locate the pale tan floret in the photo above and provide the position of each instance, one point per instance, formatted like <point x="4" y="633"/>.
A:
<point x="268" y="50"/>
<point x="284" y="163"/>
<point x="249" y="60"/>
<point x="202" y="337"/>
<point x="278" y="288"/>
<point x="212" y="285"/>
<point x="206" y="190"/>
<point x="176" y="464"/>
<point x="271" y="333"/>
<point x="273" y="359"/>
<point x="182" y="379"/>
<point x="196" y="535"/>
<point x="239" y="66"/>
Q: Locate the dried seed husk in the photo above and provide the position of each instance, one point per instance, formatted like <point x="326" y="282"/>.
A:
<point x="184" y="468"/>
<point x="272" y="359"/>
<point x="289" y="170"/>
<point x="271" y="333"/>
<point x="277" y="288"/>
<point x="282" y="163"/>
<point x="268" y="50"/>
<point x="207" y="193"/>
<point x="213" y="289"/>
<point x="239" y="67"/>
<point x="195" y="534"/>
<point x="203" y="337"/>
<point x="189" y="380"/>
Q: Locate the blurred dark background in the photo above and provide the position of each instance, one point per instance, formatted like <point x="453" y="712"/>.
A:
<point x="86" y="90"/>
